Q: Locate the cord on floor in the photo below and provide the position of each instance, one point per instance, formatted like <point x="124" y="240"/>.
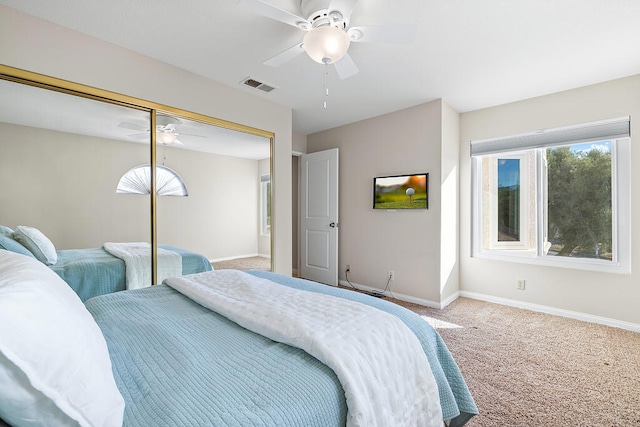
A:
<point x="376" y="294"/>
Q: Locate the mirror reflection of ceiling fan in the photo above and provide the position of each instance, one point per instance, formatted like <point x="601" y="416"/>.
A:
<point x="166" y="132"/>
<point x="328" y="33"/>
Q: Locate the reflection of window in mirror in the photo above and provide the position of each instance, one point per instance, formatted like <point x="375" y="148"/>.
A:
<point x="265" y="203"/>
<point x="138" y="181"/>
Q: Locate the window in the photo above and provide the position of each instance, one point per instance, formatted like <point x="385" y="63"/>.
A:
<point x="138" y="181"/>
<point x="265" y="203"/>
<point x="508" y="221"/>
<point x="555" y="197"/>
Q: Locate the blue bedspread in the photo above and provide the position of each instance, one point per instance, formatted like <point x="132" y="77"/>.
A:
<point x="178" y="363"/>
<point x="455" y="398"/>
<point x="92" y="272"/>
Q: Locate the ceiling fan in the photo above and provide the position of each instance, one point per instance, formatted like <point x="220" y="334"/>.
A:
<point x="166" y="132"/>
<point x="328" y="33"/>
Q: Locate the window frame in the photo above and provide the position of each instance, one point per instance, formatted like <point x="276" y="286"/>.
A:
<point x="522" y="244"/>
<point x="620" y="204"/>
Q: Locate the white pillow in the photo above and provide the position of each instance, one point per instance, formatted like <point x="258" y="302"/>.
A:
<point x="54" y="362"/>
<point x="39" y="245"/>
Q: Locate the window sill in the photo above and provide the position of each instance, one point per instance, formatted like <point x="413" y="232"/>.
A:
<point x="572" y="263"/>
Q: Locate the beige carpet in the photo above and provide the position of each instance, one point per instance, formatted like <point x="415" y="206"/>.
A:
<point x="532" y="369"/>
<point x="251" y="263"/>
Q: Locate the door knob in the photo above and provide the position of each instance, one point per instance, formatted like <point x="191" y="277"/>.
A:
<point x="333" y="225"/>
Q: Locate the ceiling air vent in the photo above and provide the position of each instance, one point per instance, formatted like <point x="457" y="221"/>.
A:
<point x="251" y="82"/>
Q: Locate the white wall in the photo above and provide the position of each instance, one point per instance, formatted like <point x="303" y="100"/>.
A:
<point x="36" y="45"/>
<point x="375" y="241"/>
<point x="299" y="146"/>
<point x="295" y="214"/>
<point x="64" y="184"/>
<point x="264" y="241"/>
<point x="218" y="218"/>
<point x="608" y="295"/>
<point x="449" y="204"/>
<point x="49" y="182"/>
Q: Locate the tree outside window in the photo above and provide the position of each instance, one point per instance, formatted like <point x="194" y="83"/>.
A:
<point x="580" y="200"/>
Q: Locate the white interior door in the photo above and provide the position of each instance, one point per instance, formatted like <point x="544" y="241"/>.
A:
<point x="319" y="217"/>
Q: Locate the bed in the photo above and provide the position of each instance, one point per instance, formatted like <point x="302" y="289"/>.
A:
<point x="173" y="361"/>
<point x="92" y="272"/>
<point x="89" y="272"/>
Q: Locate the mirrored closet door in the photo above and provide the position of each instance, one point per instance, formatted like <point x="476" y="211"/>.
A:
<point x="219" y="210"/>
<point x="78" y="168"/>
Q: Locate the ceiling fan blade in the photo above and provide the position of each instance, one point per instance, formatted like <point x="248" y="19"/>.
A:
<point x="346" y="68"/>
<point x="345" y="7"/>
<point x="166" y="121"/>
<point x="397" y="34"/>
<point x="270" y="11"/>
<point x="131" y="126"/>
<point x="285" y="56"/>
<point x="139" y="135"/>
<point x="191" y="134"/>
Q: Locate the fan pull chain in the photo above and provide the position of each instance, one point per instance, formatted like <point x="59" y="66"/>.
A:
<point x="326" y="87"/>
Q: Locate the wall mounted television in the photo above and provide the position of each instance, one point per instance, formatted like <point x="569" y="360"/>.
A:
<point x="401" y="192"/>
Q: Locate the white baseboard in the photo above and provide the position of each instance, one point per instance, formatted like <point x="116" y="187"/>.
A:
<point x="634" y="327"/>
<point x="449" y="300"/>
<point x="239" y="257"/>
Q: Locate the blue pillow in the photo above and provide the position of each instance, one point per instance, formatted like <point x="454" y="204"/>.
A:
<point x="5" y="230"/>
<point x="37" y="243"/>
<point x="9" y="244"/>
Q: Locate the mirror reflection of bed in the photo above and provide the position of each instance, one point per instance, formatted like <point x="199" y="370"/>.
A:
<point x="62" y="156"/>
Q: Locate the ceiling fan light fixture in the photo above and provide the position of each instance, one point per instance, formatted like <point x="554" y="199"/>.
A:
<point x="166" y="138"/>
<point x="327" y="44"/>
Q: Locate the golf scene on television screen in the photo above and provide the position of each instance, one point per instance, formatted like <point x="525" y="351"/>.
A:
<point x="401" y="192"/>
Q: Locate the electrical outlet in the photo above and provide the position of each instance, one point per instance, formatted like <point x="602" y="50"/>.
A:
<point x="520" y="284"/>
<point x="391" y="275"/>
<point x="348" y="268"/>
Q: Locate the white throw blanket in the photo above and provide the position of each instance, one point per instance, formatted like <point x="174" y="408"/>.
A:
<point x="380" y="363"/>
<point x="137" y="259"/>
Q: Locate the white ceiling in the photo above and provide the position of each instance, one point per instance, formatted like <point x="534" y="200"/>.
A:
<point x="471" y="53"/>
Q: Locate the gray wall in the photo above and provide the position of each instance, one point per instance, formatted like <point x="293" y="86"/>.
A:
<point x="407" y="242"/>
